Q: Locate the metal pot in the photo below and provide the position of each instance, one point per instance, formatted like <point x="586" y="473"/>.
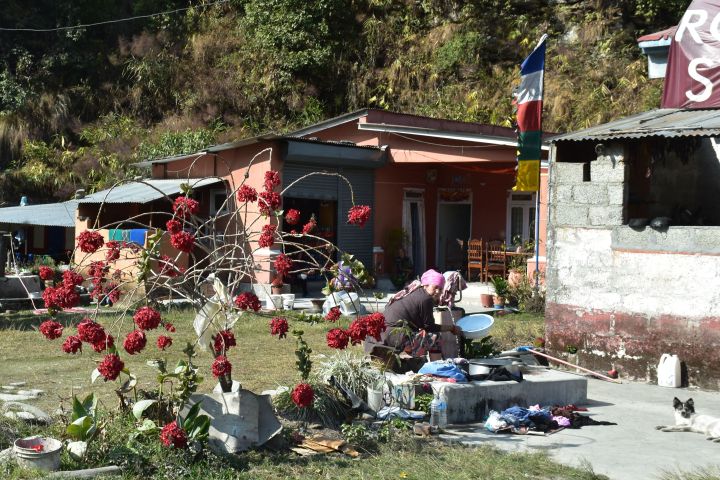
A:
<point x="483" y="366"/>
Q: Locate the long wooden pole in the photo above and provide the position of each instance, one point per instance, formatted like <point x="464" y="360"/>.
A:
<point x="604" y="377"/>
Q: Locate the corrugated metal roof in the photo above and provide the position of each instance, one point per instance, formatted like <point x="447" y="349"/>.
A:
<point x="144" y="191"/>
<point x="668" y="33"/>
<point x="47" y="214"/>
<point x="663" y="122"/>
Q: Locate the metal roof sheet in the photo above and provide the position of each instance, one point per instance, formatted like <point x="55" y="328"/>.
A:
<point x="663" y="122"/>
<point x="666" y="34"/>
<point x="47" y="214"/>
<point x="144" y="191"/>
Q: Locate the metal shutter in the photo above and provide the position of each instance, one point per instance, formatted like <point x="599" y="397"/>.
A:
<point x="351" y="238"/>
<point x="321" y="187"/>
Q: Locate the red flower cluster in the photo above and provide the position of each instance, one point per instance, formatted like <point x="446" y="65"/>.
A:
<point x="164" y="342"/>
<point x="135" y="342"/>
<point x="90" y="331"/>
<point x="105" y="343"/>
<point x="89" y="242"/>
<point x="173" y="436"/>
<point x="309" y="226"/>
<point x="283" y="264"/>
<point x="247" y="301"/>
<point x="72" y="344"/>
<point x="279" y="326"/>
<point x="147" y="318"/>
<point x="375" y="325"/>
<point x="224" y="340"/>
<point x="113" y="292"/>
<point x="183" y="241"/>
<point x="51" y="329"/>
<point x="267" y="237"/>
<point x="303" y="395"/>
<point x="46" y="273"/>
<point x="357" y="331"/>
<point x="173" y="226"/>
<point x="221" y="366"/>
<point x="113" y="251"/>
<point x="359" y="215"/>
<point x="269" y="202"/>
<point x="110" y="367"/>
<point x="337" y="338"/>
<point x="60" y="296"/>
<point x="272" y="180"/>
<point x="292" y="217"/>
<point x="184" y="207"/>
<point x="169" y="327"/>
<point x="333" y="315"/>
<point x="72" y="278"/>
<point x="246" y="193"/>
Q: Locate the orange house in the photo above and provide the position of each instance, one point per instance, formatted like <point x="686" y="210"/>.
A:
<point x="432" y="184"/>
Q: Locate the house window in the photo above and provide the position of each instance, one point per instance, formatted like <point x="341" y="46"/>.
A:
<point x="218" y="202"/>
<point x="520" y="218"/>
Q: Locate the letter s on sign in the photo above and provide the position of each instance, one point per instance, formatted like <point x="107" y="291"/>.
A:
<point x="692" y="71"/>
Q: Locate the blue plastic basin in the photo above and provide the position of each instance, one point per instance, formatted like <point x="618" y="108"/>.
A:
<point x="476" y="325"/>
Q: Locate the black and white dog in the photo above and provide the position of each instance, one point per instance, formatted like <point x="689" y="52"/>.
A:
<point x="687" y="421"/>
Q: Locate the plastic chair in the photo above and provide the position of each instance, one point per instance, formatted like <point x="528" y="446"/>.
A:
<point x="475" y="257"/>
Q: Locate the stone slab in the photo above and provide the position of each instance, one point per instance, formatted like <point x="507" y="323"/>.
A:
<point x="472" y="401"/>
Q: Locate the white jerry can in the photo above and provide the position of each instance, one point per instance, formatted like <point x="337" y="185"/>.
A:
<point x="668" y="371"/>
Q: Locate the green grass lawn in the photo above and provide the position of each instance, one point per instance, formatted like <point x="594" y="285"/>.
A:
<point x="259" y="362"/>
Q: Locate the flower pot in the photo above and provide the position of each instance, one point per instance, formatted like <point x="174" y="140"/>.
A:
<point x="375" y="399"/>
<point x="487" y="300"/>
<point x="498" y="302"/>
<point x="276" y="289"/>
<point x="47" y="458"/>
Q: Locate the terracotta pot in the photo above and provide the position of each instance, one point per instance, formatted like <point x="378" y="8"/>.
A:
<point x="276" y="289"/>
<point x="498" y="301"/>
<point x="487" y="300"/>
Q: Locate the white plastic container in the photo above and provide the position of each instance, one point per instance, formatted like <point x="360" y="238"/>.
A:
<point x="38" y="452"/>
<point x="668" y="371"/>
<point x="438" y="413"/>
<point x="288" y="299"/>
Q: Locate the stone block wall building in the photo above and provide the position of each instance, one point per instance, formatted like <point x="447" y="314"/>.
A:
<point x="634" y="244"/>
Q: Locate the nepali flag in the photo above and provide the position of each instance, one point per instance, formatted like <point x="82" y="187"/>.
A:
<point x="529" y="102"/>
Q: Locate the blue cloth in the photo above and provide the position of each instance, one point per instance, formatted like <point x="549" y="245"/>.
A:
<point x="518" y="416"/>
<point x="137" y="235"/>
<point x="444" y="368"/>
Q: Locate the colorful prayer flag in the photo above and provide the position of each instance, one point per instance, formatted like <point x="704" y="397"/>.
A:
<point x="529" y="99"/>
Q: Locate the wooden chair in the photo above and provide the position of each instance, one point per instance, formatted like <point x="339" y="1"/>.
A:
<point x="495" y="260"/>
<point x="475" y="258"/>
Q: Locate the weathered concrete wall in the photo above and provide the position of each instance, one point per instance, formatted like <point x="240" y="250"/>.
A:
<point x="623" y="297"/>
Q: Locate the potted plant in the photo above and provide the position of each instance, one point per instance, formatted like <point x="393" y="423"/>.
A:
<point x="277" y="285"/>
<point x="518" y="268"/>
<point x="501" y="288"/>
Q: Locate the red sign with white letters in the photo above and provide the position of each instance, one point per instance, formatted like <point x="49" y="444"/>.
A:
<point x="692" y="79"/>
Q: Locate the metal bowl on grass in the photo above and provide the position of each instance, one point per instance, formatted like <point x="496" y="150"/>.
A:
<point x="476" y="325"/>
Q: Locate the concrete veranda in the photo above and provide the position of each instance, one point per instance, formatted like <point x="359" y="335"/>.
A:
<point x="632" y="449"/>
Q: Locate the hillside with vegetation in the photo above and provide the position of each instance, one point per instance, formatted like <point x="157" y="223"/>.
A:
<point x="78" y="106"/>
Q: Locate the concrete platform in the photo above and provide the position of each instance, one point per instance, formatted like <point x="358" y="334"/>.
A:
<point x="472" y="401"/>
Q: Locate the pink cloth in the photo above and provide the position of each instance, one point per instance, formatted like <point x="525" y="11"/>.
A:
<point x="431" y="277"/>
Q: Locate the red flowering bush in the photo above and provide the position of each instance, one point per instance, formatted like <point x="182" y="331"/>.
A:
<point x="173" y="226"/>
<point x="60" y="297"/>
<point x="51" y="329"/>
<point x="168" y="267"/>
<point x="147" y="318"/>
<point x="224" y="339"/>
<point x="164" y="342"/>
<point x="279" y="326"/>
<point x="267" y="237"/>
<point x="221" y="366"/>
<point x="309" y="226"/>
<point x="72" y="344"/>
<point x="303" y="395"/>
<point x="110" y="367"/>
<point x="134" y="342"/>
<point x="46" y="273"/>
<point x="337" y="338"/>
<point x="292" y="217"/>
<point x="333" y="315"/>
<point x="89" y="242"/>
<point x="169" y="327"/>
<point x="359" y="215"/>
<point x="283" y="264"/>
<point x="247" y="301"/>
<point x="173" y="436"/>
<point x="112" y="291"/>
<point x="184" y="207"/>
<point x="108" y="341"/>
<point x="72" y="278"/>
<point x="269" y="202"/>
<point x="375" y="325"/>
<point x="246" y="193"/>
<point x="182" y="241"/>
<point x="272" y="180"/>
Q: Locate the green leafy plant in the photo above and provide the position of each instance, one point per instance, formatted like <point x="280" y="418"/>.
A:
<point x="485" y="347"/>
<point x="355" y="372"/>
<point x="422" y="402"/>
<point x="500" y="285"/>
<point x="83" y="424"/>
<point x="356" y="434"/>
